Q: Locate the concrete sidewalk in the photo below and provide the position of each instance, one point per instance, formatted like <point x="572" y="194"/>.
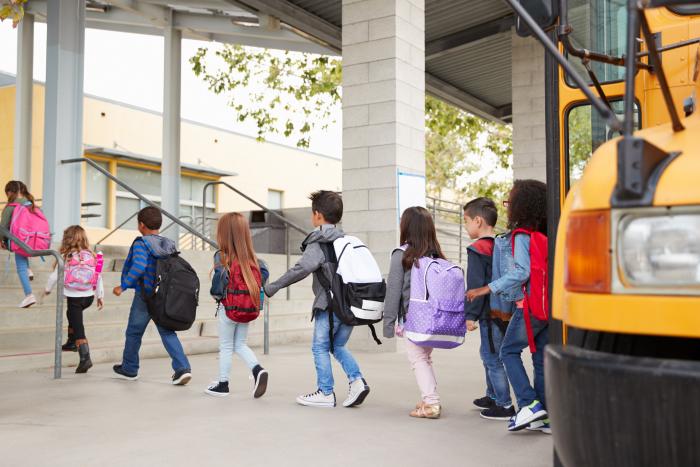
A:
<point x="96" y="420"/>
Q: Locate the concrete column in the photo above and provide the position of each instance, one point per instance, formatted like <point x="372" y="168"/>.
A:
<point x="170" y="176"/>
<point x="383" y="117"/>
<point x="22" y="164"/>
<point x="63" y="115"/>
<point x="529" y="144"/>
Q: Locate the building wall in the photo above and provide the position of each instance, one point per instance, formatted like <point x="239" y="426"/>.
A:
<point x="529" y="145"/>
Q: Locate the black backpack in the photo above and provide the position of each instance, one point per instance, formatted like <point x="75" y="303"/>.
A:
<point x="175" y="297"/>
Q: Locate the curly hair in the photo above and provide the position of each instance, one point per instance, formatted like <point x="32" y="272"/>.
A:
<point x="527" y="206"/>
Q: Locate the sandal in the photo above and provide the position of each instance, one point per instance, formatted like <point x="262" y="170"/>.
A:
<point x="427" y="411"/>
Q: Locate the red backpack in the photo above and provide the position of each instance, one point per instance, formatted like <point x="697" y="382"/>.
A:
<point x="536" y="302"/>
<point x="238" y="303"/>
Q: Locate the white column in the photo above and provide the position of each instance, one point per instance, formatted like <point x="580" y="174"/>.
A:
<point x="63" y="116"/>
<point x="170" y="176"/>
<point x="383" y="117"/>
<point x="22" y="164"/>
<point x="529" y="143"/>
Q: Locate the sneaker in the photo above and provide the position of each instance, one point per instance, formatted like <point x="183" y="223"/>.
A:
<point x="182" y="377"/>
<point x="357" y="393"/>
<point x="498" y="413"/>
<point x="541" y="425"/>
<point x="317" y="399"/>
<point x="527" y="415"/>
<point x="28" y="301"/>
<point x="484" y="403"/>
<point x="218" y="389"/>
<point x="123" y="374"/>
<point x="261" y="376"/>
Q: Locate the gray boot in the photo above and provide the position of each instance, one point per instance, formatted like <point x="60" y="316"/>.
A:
<point x="85" y="362"/>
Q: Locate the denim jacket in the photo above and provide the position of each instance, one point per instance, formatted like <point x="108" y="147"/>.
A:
<point x="506" y="284"/>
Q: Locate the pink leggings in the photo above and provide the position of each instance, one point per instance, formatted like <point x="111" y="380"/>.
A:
<point x="422" y="366"/>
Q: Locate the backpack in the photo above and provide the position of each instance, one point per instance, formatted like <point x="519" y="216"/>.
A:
<point x="356" y="288"/>
<point x="238" y="302"/>
<point x="82" y="271"/>
<point x="435" y="315"/>
<point x="29" y="226"/>
<point x="220" y="278"/>
<point x="536" y="302"/>
<point x="175" y="297"/>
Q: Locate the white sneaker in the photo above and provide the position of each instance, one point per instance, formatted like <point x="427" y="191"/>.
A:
<point x="357" y="393"/>
<point x="28" y="301"/>
<point x="527" y="415"/>
<point x="317" y="399"/>
<point x="541" y="425"/>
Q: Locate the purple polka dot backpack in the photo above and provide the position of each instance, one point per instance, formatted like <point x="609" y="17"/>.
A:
<point x="435" y="315"/>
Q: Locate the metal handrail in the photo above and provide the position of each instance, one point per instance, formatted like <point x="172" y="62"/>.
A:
<point x="435" y="209"/>
<point x="59" y="294"/>
<point x="170" y="216"/>
<point x="126" y="221"/>
<point x="173" y="223"/>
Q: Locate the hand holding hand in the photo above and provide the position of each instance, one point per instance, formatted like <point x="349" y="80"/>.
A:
<point x="471" y="325"/>
<point x="474" y="293"/>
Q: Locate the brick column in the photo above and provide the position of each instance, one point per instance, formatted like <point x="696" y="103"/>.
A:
<point x="529" y="145"/>
<point x="383" y="117"/>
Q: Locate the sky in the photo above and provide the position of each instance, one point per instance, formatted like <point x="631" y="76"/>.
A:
<point x="129" y="68"/>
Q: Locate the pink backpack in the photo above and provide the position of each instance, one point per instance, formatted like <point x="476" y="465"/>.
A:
<point x="82" y="270"/>
<point x="30" y="227"/>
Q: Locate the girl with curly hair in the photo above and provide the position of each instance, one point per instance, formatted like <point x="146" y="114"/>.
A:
<point x="527" y="209"/>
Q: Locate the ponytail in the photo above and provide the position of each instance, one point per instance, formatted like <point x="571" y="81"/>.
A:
<point x="15" y="189"/>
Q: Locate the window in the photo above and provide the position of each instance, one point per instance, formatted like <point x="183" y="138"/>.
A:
<point x="274" y="199"/>
<point x="586" y="131"/>
<point x="96" y="192"/>
<point x="600" y="26"/>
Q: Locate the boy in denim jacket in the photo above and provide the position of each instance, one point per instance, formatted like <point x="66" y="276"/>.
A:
<point x="480" y="216"/>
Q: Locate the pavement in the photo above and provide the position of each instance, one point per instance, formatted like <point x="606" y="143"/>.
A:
<point x="97" y="420"/>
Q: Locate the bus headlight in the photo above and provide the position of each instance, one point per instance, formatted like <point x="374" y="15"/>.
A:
<point x="659" y="251"/>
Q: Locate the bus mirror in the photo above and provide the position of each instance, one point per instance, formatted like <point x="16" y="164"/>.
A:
<point x="545" y="12"/>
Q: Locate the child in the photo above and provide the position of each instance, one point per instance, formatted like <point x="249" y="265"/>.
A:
<point x="80" y="289"/>
<point x="527" y="208"/>
<point x="138" y="273"/>
<point x="480" y="216"/>
<point x="417" y="233"/>
<point x="237" y="256"/>
<point x="326" y="211"/>
<point x="17" y="192"/>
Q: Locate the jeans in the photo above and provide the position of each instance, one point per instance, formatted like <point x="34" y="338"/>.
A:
<point x="422" y="364"/>
<point x="321" y="347"/>
<point x="76" y="329"/>
<point x="22" y="264"/>
<point x="138" y="321"/>
<point x="496" y="380"/>
<point x="513" y="344"/>
<point x="233" y="337"/>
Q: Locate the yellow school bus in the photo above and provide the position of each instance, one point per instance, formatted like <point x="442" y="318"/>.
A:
<point x="623" y="173"/>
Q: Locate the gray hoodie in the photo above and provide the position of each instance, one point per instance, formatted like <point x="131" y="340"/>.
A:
<point x="310" y="262"/>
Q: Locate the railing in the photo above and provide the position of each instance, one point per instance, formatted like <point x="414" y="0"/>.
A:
<point x="59" y="294"/>
<point x="438" y="206"/>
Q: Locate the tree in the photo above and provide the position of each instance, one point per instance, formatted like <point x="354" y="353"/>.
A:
<point x="13" y="9"/>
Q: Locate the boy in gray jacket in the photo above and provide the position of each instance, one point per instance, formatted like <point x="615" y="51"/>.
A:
<point x="326" y="211"/>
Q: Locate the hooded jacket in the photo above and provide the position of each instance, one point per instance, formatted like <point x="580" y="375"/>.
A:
<point x="479" y="264"/>
<point x="310" y="263"/>
<point x="139" y="269"/>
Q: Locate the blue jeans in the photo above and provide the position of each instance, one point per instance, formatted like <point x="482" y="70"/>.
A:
<point x="496" y="380"/>
<point x="513" y="344"/>
<point x="233" y="337"/>
<point x="138" y="321"/>
<point x="22" y="264"/>
<point x="321" y="347"/>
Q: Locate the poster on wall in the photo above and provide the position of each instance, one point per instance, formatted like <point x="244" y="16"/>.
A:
<point x="410" y="190"/>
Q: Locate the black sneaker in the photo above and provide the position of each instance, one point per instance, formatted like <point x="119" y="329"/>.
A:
<point x="484" y="403"/>
<point x="498" y="413"/>
<point x="218" y="389"/>
<point x="69" y="346"/>
<point x="182" y="377"/>
<point x="260" y="375"/>
<point x="123" y="374"/>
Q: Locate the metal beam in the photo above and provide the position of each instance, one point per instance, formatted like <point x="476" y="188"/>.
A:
<point x="462" y="99"/>
<point x="22" y="166"/>
<point x="467" y="37"/>
<point x="298" y="18"/>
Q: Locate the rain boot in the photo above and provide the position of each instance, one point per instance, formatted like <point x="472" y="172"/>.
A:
<point x="84" y="352"/>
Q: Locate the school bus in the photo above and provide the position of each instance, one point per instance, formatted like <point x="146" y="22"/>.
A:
<point x="623" y="173"/>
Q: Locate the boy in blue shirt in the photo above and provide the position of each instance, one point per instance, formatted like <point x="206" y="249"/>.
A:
<point x="138" y="273"/>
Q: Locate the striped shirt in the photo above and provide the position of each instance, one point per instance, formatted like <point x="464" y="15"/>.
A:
<point x="139" y="269"/>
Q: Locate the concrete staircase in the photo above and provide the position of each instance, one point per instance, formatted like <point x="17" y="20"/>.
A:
<point x="27" y="335"/>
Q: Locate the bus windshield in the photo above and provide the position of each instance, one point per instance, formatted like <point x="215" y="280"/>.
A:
<point x="599" y="26"/>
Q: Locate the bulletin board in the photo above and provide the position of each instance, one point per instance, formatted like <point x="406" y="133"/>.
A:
<point x="410" y="190"/>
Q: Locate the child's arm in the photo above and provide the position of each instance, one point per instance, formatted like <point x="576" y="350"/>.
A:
<point x="310" y="261"/>
<point x="394" y="290"/>
<point x="520" y="274"/>
<point x="138" y="254"/>
<point x="476" y="278"/>
<point x="51" y="282"/>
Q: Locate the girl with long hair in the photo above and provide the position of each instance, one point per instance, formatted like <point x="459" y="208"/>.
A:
<point x="241" y="302"/>
<point x="17" y="192"/>
<point x="418" y="239"/>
